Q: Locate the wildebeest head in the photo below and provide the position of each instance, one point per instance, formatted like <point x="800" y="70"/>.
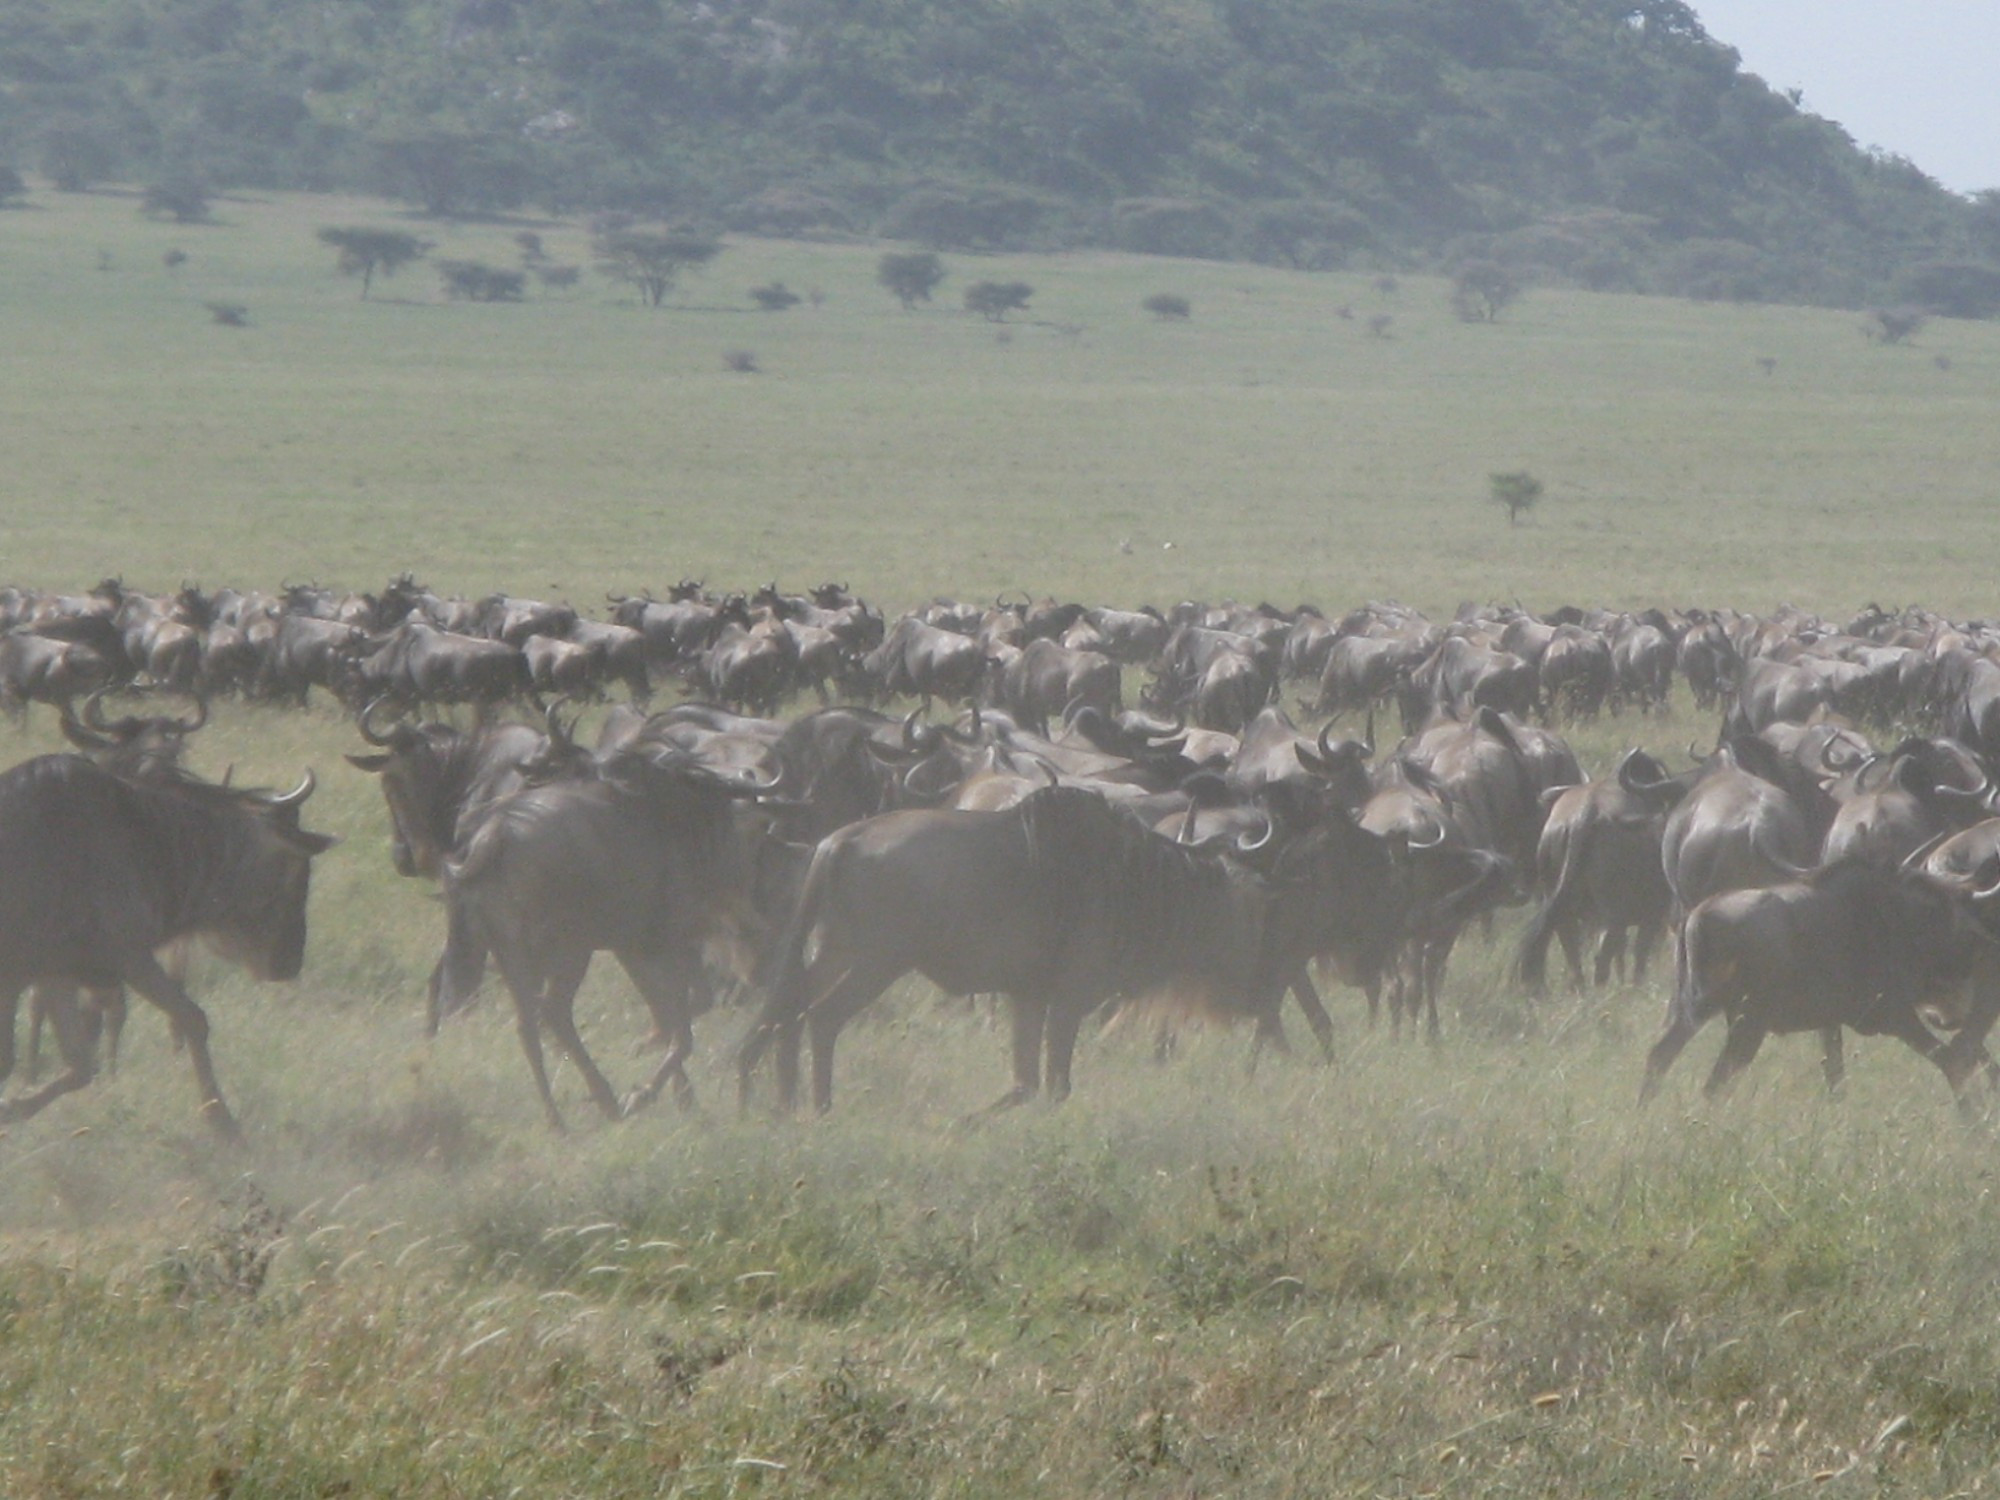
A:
<point x="433" y="774"/>
<point x="262" y="925"/>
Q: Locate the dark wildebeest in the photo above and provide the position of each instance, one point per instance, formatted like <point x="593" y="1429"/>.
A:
<point x="98" y="872"/>
<point x="1854" y="944"/>
<point x="39" y="669"/>
<point x="1061" y="903"/>
<point x="1043" y="680"/>
<point x="645" y="859"/>
<point x="417" y="663"/>
<point x="923" y="661"/>
<point x="143" y="747"/>
<point x="1598" y="864"/>
<point x="439" y="783"/>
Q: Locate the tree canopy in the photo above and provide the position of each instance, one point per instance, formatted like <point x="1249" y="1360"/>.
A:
<point x="1602" y="143"/>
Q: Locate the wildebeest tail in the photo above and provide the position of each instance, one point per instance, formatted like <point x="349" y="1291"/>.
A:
<point x="1531" y="964"/>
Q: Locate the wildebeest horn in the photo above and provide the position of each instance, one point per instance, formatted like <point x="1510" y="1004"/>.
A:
<point x="1244" y="846"/>
<point x="1914" y="860"/>
<point x="189" y="726"/>
<point x="1840" y="767"/>
<point x="1628" y="777"/>
<point x="76" y="732"/>
<point x="1430" y="843"/>
<point x="366" y="726"/>
<point x="1368" y="737"/>
<point x="298" y="794"/>
<point x="918" y="738"/>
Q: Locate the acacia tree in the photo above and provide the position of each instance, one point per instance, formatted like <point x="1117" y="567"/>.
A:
<point x="1481" y="289"/>
<point x="652" y="260"/>
<point x="1517" y="491"/>
<point x="365" y="251"/>
<point x="993" y="300"/>
<point x="911" y="278"/>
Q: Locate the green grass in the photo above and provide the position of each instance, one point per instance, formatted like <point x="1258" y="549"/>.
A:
<point x="1475" y="1270"/>
<point x="577" y="443"/>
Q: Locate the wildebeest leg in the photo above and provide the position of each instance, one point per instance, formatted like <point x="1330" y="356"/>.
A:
<point x="824" y="1017"/>
<point x="190" y="1023"/>
<point x="1060" y="1031"/>
<point x="1681" y="1028"/>
<point x="1610" y="954"/>
<point x="1745" y="1037"/>
<point x="76" y="1040"/>
<point x="559" y="1015"/>
<point x="1569" y="934"/>
<point x="666" y="983"/>
<point x="110" y="1008"/>
<point x="1028" y="1017"/>
<point x="1833" y="1060"/>
<point x="1431" y="978"/>
<point x="1645" y="939"/>
<point x="10" y="1006"/>
<point x="1315" y="1012"/>
<point x="526" y="989"/>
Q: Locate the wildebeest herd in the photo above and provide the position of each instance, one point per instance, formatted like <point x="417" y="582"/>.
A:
<point x="1829" y="863"/>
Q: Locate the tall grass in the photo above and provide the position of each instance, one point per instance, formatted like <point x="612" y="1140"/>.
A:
<point x="1470" y="1269"/>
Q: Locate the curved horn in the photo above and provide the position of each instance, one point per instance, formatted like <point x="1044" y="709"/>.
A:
<point x="1249" y="846"/>
<point x="298" y="794"/>
<point x="77" y="734"/>
<point x="1914" y="860"/>
<point x="189" y="726"/>
<point x="918" y="738"/>
<point x="366" y="726"/>
<point x="93" y="711"/>
<point x="1430" y="843"/>
<point x="1368" y="736"/>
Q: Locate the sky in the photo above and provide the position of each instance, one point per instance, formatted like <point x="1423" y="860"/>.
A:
<point x="1920" y="78"/>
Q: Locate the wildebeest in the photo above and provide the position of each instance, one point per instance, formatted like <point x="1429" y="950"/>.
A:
<point x="921" y="660"/>
<point x="1598" y="864"/>
<point x="643" y="859"/>
<point x="1060" y="903"/>
<point x="1853" y="944"/>
<point x="97" y="872"/>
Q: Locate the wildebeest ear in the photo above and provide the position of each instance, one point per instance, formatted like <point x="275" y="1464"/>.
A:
<point x="370" y="763"/>
<point x="312" y="843"/>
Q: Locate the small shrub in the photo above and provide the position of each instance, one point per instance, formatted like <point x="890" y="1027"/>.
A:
<point x="742" y="361"/>
<point x="910" y="279"/>
<point x="229" y="314"/>
<point x="559" y="278"/>
<point x="530" y="245"/>
<point x="993" y="300"/>
<point x="1893" y="325"/>
<point x="475" y="281"/>
<point x="1379" y="325"/>
<point x="174" y="259"/>
<point x="1387" y="285"/>
<point x="1482" y="289"/>
<point x="1168" y="307"/>
<point x="775" y="297"/>
<point x="182" y="199"/>
<point x="1517" y="490"/>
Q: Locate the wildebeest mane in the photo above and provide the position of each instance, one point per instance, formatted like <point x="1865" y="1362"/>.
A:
<point x="1136" y="910"/>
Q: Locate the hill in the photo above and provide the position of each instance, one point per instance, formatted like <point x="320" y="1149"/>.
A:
<point x="1609" y="144"/>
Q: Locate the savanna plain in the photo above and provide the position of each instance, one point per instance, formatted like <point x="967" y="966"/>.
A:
<point x="1474" y="1269"/>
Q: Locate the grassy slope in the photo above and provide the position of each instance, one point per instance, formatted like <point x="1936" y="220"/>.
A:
<point x="1352" y="1282"/>
<point x="582" y="443"/>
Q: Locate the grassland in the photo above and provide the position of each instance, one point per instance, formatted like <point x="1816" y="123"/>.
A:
<point x="1475" y="1270"/>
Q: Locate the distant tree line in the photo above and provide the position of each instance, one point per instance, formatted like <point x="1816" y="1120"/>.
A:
<point x="1609" y="144"/>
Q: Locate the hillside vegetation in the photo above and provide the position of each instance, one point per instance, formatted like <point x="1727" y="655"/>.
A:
<point x="1604" y="143"/>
